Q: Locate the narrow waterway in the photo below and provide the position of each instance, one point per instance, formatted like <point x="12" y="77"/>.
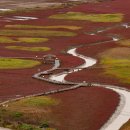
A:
<point x="88" y="62"/>
<point x="122" y="113"/>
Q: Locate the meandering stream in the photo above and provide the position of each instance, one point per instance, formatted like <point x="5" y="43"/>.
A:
<point x="122" y="113"/>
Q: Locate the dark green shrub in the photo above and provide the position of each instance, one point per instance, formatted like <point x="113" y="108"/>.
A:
<point x="25" y="127"/>
<point x="44" y="125"/>
<point x="17" y="114"/>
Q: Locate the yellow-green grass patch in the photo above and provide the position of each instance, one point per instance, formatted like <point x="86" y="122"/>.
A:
<point x="36" y="33"/>
<point x="32" y="113"/>
<point x="4" y="39"/>
<point x="124" y="42"/>
<point x="41" y="101"/>
<point x="117" y="63"/>
<point x="29" y="48"/>
<point x="32" y="40"/>
<point x="10" y="63"/>
<point x="19" y="26"/>
<point x="50" y="129"/>
<point x="117" y="17"/>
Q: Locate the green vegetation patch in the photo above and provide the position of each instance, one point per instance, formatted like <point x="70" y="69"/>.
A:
<point x="124" y="42"/>
<point x="29" y="48"/>
<point x="40" y="101"/>
<point x="29" y="114"/>
<point x="4" y="39"/>
<point x="36" y="33"/>
<point x="32" y="40"/>
<point x="9" y="63"/>
<point x="117" y="63"/>
<point x="89" y="17"/>
<point x="27" y="127"/>
<point x="18" y="26"/>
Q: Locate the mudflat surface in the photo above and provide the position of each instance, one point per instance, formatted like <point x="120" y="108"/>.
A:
<point x="16" y="4"/>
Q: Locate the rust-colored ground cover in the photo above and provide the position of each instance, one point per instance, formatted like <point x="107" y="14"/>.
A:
<point x="85" y="108"/>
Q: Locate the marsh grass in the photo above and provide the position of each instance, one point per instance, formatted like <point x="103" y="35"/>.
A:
<point x="40" y="101"/>
<point x="18" y="26"/>
<point x="32" y="40"/>
<point x="89" y="17"/>
<point x="117" y="63"/>
<point x="118" y="67"/>
<point x="4" y="39"/>
<point x="9" y="63"/>
<point x="28" y="114"/>
<point x="125" y="42"/>
<point x="36" y="33"/>
<point x="35" y="49"/>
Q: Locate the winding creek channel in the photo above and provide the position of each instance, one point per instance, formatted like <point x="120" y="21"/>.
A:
<point x="122" y="113"/>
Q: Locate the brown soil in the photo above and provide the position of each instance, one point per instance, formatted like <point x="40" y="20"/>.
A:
<point x="126" y="126"/>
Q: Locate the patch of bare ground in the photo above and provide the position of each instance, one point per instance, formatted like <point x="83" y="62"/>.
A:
<point x="126" y="126"/>
<point x="15" y="4"/>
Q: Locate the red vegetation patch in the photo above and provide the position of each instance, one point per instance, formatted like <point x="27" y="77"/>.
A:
<point x="81" y="109"/>
<point x="94" y="49"/>
<point x="96" y="72"/>
<point x="20" y="82"/>
<point x="84" y="108"/>
<point x="68" y="61"/>
<point x="121" y="31"/>
<point x="92" y="75"/>
<point x="115" y="6"/>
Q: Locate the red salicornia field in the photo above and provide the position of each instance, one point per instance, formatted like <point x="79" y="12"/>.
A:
<point x="65" y="65"/>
